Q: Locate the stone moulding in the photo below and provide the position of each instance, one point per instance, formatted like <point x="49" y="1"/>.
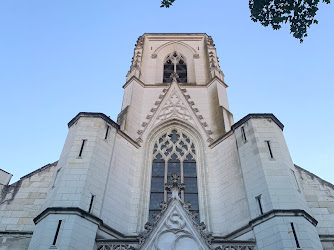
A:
<point x="159" y="85"/>
<point x="115" y="247"/>
<point x="83" y="214"/>
<point x="94" y="115"/>
<point x="106" y="119"/>
<point x="156" y="51"/>
<point x="236" y="247"/>
<point x="245" y="119"/>
<point x="175" y="102"/>
<point x="283" y="213"/>
<point x="258" y="116"/>
<point x="269" y="215"/>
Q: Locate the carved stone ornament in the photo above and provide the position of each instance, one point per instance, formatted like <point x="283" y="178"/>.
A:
<point x="210" y="42"/>
<point x="175" y="227"/>
<point x="236" y="247"/>
<point x="196" y="56"/>
<point x="154" y="56"/>
<point x="175" y="186"/>
<point x="115" y="247"/>
<point x="140" y="42"/>
<point x="175" y="104"/>
<point x="174" y="76"/>
<point x="174" y="107"/>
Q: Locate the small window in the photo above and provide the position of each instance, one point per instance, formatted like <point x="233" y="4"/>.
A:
<point x="91" y="204"/>
<point x="270" y="151"/>
<point x="295" y="234"/>
<point x="107" y="132"/>
<point x="82" y="147"/>
<point x="258" y="199"/>
<point x="57" y="233"/>
<point x="243" y="134"/>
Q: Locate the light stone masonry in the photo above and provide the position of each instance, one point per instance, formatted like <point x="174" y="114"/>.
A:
<point x="175" y="141"/>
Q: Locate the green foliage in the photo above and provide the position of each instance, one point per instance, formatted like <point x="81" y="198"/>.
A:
<point x="300" y="14"/>
<point x="166" y="3"/>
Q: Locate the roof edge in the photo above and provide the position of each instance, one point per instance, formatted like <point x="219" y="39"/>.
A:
<point x="175" y="34"/>
<point x="258" y="116"/>
<point x="315" y="176"/>
<point x="39" y="170"/>
<point x="94" y="115"/>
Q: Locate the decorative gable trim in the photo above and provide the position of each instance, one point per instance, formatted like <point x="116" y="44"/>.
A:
<point x="174" y="103"/>
<point x="175" y="223"/>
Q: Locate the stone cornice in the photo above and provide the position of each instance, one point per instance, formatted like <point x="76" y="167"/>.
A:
<point x="258" y="116"/>
<point x="106" y="119"/>
<point x="283" y="213"/>
<point x="82" y="213"/>
<point x="242" y="121"/>
<point x="326" y="237"/>
<point x="217" y="239"/>
<point x="175" y="36"/>
<point x="93" y="115"/>
<point x="241" y="242"/>
<point x="217" y="79"/>
<point x="25" y="233"/>
<point x="267" y="216"/>
<point x="163" y="85"/>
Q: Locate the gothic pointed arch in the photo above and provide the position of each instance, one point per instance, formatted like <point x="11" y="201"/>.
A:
<point x="174" y="104"/>
<point x="173" y="152"/>
<point x="175" y="43"/>
<point x="175" y="65"/>
<point x="189" y="53"/>
<point x="177" y="156"/>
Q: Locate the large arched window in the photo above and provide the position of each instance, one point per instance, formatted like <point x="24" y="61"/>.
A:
<point x="175" y="63"/>
<point x="173" y="152"/>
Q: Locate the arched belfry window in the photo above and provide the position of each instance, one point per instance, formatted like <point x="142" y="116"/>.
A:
<point x="173" y="152"/>
<point x="175" y="63"/>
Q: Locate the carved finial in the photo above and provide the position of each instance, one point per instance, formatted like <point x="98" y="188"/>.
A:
<point x="140" y="42"/>
<point x="210" y="42"/>
<point x="175" y="178"/>
<point x="174" y="76"/>
<point x="175" y="187"/>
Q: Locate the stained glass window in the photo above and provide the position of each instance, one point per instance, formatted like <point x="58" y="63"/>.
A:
<point x="173" y="152"/>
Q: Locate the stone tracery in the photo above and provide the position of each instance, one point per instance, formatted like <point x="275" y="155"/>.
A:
<point x="174" y="151"/>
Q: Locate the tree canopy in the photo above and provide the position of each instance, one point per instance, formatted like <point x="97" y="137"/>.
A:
<point x="300" y="14"/>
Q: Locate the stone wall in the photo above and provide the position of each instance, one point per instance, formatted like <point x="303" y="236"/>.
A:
<point x="118" y="209"/>
<point x="20" y="203"/>
<point x="319" y="196"/>
<point x="229" y="209"/>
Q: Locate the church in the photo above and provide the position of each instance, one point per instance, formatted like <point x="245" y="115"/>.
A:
<point x="175" y="171"/>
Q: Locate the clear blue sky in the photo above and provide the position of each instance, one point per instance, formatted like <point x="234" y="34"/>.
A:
<point x="58" y="58"/>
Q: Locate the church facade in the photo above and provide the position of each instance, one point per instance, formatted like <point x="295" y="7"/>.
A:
<point x="174" y="172"/>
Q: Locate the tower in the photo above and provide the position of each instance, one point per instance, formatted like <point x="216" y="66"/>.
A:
<point x="175" y="171"/>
